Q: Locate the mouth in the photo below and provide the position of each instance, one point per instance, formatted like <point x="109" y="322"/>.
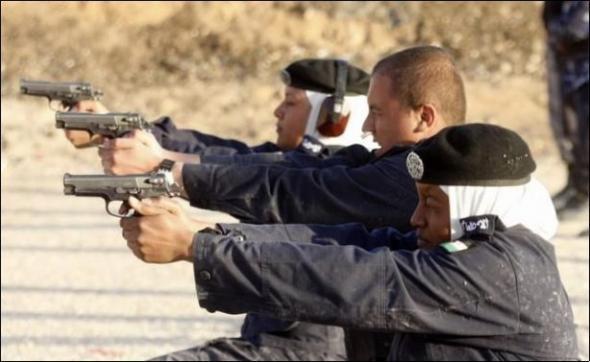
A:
<point x="420" y="234"/>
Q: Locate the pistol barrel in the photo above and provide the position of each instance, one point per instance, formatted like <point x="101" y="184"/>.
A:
<point x="107" y="124"/>
<point x="62" y="91"/>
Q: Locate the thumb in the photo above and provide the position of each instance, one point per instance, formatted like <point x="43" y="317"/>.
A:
<point x="145" y="207"/>
<point x="167" y="204"/>
<point x="144" y="137"/>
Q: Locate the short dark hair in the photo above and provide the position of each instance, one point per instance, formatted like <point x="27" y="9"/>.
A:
<point x="426" y="74"/>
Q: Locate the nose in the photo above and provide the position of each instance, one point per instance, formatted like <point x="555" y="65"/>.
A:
<point x="367" y="124"/>
<point x="278" y="112"/>
<point x="417" y="220"/>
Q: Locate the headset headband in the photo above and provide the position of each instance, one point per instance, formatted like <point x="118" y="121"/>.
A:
<point x="341" y="75"/>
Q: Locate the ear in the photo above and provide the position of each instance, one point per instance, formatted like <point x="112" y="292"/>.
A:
<point x="427" y="116"/>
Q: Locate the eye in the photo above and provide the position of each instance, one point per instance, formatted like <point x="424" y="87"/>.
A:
<point x="430" y="201"/>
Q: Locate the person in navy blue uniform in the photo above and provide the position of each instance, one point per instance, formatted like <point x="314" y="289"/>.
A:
<point x="568" y="60"/>
<point x="413" y="94"/>
<point x="307" y="130"/>
<point x="303" y="126"/>
<point x="477" y="280"/>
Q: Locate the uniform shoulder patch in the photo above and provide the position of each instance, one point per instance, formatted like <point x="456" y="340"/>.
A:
<point x="312" y="145"/>
<point x="478" y="225"/>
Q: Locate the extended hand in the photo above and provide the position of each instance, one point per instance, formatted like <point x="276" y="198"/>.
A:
<point x="83" y="139"/>
<point x="163" y="234"/>
<point x="138" y="153"/>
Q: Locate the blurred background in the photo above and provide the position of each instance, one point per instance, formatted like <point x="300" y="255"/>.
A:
<point x="214" y="65"/>
<point x="70" y="289"/>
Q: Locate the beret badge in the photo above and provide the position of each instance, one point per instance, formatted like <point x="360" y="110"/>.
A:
<point x="415" y="166"/>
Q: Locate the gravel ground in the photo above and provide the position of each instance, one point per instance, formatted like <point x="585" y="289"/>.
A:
<point x="72" y="291"/>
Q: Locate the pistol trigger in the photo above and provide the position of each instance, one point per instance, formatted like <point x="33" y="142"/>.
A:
<point x="119" y="215"/>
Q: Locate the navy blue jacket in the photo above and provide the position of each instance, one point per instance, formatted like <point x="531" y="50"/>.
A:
<point x="376" y="193"/>
<point x="300" y="187"/>
<point x="502" y="298"/>
<point x="213" y="149"/>
<point x="318" y="340"/>
<point x="350" y="186"/>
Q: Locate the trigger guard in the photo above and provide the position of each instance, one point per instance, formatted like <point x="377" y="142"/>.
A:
<point x="130" y="214"/>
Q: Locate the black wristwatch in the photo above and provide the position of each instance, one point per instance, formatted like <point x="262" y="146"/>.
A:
<point x="166" y="165"/>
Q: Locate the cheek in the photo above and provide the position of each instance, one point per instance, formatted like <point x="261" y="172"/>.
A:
<point x="285" y="132"/>
<point x="295" y="119"/>
<point x="387" y="130"/>
<point x="302" y="119"/>
<point x="291" y="129"/>
<point x="287" y="124"/>
<point x="441" y="226"/>
<point x="389" y="125"/>
<point x="297" y="122"/>
<point x="305" y="111"/>
<point x="401" y="128"/>
<point x="377" y="123"/>
<point x="435" y="222"/>
<point x="380" y="127"/>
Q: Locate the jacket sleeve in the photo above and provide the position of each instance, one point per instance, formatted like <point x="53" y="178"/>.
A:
<point x="378" y="289"/>
<point x="376" y="194"/>
<point x="261" y="158"/>
<point x="291" y="159"/>
<point x="352" y="156"/>
<point x="345" y="234"/>
<point x="191" y="141"/>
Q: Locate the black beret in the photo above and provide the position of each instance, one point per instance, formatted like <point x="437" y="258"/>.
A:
<point x="320" y="75"/>
<point x="473" y="154"/>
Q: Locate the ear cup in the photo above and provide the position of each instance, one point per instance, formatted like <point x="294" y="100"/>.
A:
<point x="325" y="125"/>
<point x="331" y="129"/>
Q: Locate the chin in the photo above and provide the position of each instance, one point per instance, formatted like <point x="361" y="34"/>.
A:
<point x="426" y="244"/>
<point x="279" y="142"/>
<point x="422" y="244"/>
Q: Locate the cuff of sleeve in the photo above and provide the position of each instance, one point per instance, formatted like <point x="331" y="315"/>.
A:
<point x="233" y="230"/>
<point x="203" y="251"/>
